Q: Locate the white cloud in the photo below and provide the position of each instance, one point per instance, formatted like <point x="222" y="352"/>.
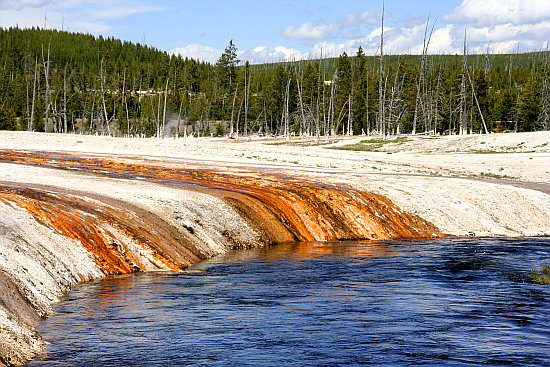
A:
<point x="502" y="25"/>
<point x="500" y="47"/>
<point x="123" y="11"/>
<point x="264" y="54"/>
<point x="443" y="41"/>
<point x="21" y="4"/>
<point x="308" y="31"/>
<point x="256" y="55"/>
<point x="31" y="17"/>
<point x="86" y="16"/>
<point x="494" y="12"/>
<point x="404" y="40"/>
<point x="199" y="52"/>
<point x="322" y="30"/>
<point x="353" y="19"/>
<point x="86" y="27"/>
<point x="331" y="49"/>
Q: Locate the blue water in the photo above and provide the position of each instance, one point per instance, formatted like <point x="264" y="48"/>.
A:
<point x="454" y="302"/>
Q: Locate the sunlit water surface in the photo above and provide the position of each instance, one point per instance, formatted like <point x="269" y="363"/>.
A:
<point x="455" y="302"/>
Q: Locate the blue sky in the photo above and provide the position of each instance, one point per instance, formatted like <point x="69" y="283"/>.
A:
<point x="266" y="30"/>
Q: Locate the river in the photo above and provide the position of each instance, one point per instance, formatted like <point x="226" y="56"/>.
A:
<point x="454" y="302"/>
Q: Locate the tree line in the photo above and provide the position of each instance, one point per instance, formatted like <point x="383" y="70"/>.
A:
<point x="57" y="81"/>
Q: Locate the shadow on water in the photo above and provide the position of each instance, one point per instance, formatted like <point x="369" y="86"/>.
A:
<point x="456" y="302"/>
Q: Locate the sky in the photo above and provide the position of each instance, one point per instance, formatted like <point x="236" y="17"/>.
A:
<point x="281" y="30"/>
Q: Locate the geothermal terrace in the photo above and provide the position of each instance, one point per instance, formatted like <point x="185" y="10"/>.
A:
<point x="75" y="208"/>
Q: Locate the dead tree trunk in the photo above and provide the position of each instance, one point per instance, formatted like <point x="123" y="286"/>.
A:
<point x="104" y="104"/>
<point x="65" y="128"/>
<point x="477" y="104"/>
<point x="544" y="116"/>
<point x="286" y="108"/>
<point x="125" y="101"/>
<point x="247" y="81"/>
<point x="164" y="107"/>
<point x="463" y="91"/>
<point x="420" y="84"/>
<point x="232" y="114"/>
<point x="47" y="81"/>
<point x="33" y="104"/>
<point x="299" y="85"/>
<point x="381" y="99"/>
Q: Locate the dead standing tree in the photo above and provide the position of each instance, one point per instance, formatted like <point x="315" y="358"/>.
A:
<point x="286" y="116"/>
<point x="463" y="92"/>
<point x="420" y="87"/>
<point x="46" y="63"/>
<point x="477" y="104"/>
<point x="544" y="116"/>
<point x="381" y="89"/>
<point x="33" y="103"/>
<point x="106" y="120"/>
<point x="247" y="82"/>
<point x="299" y="86"/>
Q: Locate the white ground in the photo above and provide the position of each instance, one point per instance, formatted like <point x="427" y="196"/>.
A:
<point x="527" y="156"/>
<point x="425" y="175"/>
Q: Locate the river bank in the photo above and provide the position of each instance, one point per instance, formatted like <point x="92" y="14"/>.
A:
<point x="75" y="208"/>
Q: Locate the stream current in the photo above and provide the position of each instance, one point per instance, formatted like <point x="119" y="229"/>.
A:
<point x="453" y="302"/>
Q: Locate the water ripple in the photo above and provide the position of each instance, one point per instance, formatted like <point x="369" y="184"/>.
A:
<point x="452" y="302"/>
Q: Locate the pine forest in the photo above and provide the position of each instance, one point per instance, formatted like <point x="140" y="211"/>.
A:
<point x="55" y="81"/>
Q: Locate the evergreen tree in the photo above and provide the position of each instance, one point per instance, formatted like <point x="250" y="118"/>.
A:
<point x="7" y="119"/>
<point x="227" y="67"/>
<point x="529" y="107"/>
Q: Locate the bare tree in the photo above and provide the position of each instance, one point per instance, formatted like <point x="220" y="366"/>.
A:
<point x="46" y="63"/>
<point x="286" y="117"/>
<point x="125" y="102"/>
<point x="397" y="107"/>
<point x="436" y="102"/>
<point x="231" y="132"/>
<point x="420" y="102"/>
<point x="463" y="91"/>
<point x="33" y="104"/>
<point x="331" y="130"/>
<point x="164" y="107"/>
<point x="381" y="89"/>
<point x="544" y="116"/>
<point x="106" y="119"/>
<point x="65" y="128"/>
<point x="299" y="85"/>
<point x="350" y="102"/>
<point x="477" y="104"/>
<point x="247" y="81"/>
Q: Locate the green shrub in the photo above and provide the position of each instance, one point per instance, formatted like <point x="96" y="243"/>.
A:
<point x="220" y="131"/>
<point x="7" y="119"/>
<point x="541" y="276"/>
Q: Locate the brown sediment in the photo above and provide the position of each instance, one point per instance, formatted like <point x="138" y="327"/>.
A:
<point x="282" y="208"/>
<point x="100" y="227"/>
<point x="12" y="299"/>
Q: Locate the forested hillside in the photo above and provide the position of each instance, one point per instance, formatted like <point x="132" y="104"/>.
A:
<point x="62" y="82"/>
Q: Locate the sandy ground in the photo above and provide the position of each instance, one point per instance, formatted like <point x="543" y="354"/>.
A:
<point x="521" y="156"/>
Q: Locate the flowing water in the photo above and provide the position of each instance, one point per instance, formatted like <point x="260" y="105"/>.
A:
<point x="455" y="302"/>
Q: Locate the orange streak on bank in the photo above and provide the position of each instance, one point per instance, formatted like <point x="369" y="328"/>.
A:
<point x="282" y="208"/>
<point x="99" y="228"/>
